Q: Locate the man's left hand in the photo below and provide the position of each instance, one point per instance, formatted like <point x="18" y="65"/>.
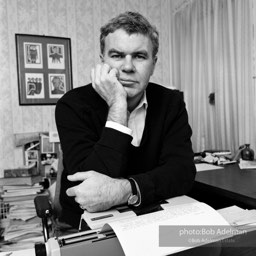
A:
<point x="98" y="192"/>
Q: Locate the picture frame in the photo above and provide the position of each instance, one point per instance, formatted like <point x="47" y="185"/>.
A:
<point x="44" y="68"/>
<point x="31" y="156"/>
<point x="47" y="147"/>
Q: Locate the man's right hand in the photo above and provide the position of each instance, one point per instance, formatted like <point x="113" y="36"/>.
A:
<point x="105" y="83"/>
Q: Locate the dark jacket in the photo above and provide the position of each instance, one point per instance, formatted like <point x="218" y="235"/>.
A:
<point x="162" y="165"/>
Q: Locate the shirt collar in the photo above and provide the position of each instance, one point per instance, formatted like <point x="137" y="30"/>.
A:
<point x="143" y="102"/>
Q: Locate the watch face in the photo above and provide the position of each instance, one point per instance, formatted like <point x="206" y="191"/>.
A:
<point x="133" y="199"/>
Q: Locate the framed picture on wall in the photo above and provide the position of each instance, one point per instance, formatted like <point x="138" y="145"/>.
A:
<point x="44" y="68"/>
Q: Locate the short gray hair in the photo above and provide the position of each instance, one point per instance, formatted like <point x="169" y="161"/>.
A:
<point x="131" y="23"/>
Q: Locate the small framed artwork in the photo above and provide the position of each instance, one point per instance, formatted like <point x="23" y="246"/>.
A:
<point x="46" y="145"/>
<point x="57" y="85"/>
<point x="31" y="156"/>
<point x="44" y="68"/>
<point x="34" y="86"/>
<point x="33" y="55"/>
<point x="55" y="56"/>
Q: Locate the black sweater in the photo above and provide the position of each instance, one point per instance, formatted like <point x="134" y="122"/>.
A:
<point x="163" y="163"/>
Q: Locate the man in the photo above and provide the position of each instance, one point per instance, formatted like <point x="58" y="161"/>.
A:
<point x="124" y="140"/>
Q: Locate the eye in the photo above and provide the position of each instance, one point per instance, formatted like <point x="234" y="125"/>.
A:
<point x="140" y="57"/>
<point x="116" y="56"/>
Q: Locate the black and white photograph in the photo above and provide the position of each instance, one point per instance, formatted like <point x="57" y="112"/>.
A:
<point x="143" y="113"/>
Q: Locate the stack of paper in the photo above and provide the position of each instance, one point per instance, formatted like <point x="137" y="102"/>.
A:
<point x="247" y="164"/>
<point x="24" y="210"/>
<point x="22" y="234"/>
<point x="145" y="230"/>
<point x="176" y="216"/>
<point x="239" y="218"/>
<point x="24" y="227"/>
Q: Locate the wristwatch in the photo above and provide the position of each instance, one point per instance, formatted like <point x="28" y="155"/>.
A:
<point x="133" y="199"/>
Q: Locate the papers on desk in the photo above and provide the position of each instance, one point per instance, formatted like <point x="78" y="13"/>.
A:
<point x="239" y="218"/>
<point x="143" y="231"/>
<point x="247" y="164"/>
<point x="22" y="234"/>
<point x="207" y="167"/>
<point x="96" y="220"/>
<point x="27" y="252"/>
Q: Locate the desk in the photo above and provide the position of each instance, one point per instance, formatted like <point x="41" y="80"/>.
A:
<point x="230" y="186"/>
<point x="225" y="187"/>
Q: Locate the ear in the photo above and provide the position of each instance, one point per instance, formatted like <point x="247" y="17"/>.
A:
<point x="155" y="60"/>
<point x="102" y="58"/>
<point x="154" y="64"/>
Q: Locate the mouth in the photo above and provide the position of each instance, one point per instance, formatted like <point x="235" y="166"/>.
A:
<point x="127" y="82"/>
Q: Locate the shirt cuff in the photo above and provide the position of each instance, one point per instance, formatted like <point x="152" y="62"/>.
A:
<point x="138" y="193"/>
<point x="119" y="127"/>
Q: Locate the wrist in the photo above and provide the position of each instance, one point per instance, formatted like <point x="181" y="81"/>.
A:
<point x="133" y="199"/>
<point x="125" y="191"/>
<point x="118" y="113"/>
<point x="120" y="103"/>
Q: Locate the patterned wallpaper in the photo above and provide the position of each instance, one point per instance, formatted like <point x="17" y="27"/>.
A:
<point x="79" y="20"/>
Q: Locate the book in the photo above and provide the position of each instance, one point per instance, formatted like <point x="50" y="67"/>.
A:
<point x="27" y="170"/>
<point x="163" y="232"/>
<point x="28" y="180"/>
<point x="18" y="198"/>
<point x="21" y="190"/>
<point x="20" y="193"/>
<point x="21" y="187"/>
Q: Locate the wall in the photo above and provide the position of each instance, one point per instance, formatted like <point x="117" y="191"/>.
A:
<point x="80" y="20"/>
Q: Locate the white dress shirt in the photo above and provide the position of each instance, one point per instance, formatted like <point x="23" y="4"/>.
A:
<point x="136" y="122"/>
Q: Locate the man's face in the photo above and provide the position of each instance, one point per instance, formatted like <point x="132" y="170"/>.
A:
<point x="132" y="56"/>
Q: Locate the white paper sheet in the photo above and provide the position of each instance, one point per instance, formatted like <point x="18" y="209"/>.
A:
<point x="28" y="252"/>
<point x="237" y="216"/>
<point x="206" y="167"/>
<point x="143" y="231"/>
<point x="96" y="220"/>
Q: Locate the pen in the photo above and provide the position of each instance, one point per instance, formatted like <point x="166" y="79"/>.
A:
<point x="102" y="217"/>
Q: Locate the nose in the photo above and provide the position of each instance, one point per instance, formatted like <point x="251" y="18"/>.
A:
<point x="128" y="65"/>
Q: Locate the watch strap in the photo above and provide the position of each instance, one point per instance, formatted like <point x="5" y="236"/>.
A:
<point x="133" y="185"/>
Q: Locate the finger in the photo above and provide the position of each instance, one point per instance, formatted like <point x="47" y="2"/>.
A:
<point x="82" y="207"/>
<point x="79" y="176"/>
<point x="71" y="191"/>
<point x="114" y="73"/>
<point x="105" y="69"/>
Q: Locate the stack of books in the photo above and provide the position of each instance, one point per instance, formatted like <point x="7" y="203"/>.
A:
<point x="23" y="228"/>
<point x="19" y="193"/>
